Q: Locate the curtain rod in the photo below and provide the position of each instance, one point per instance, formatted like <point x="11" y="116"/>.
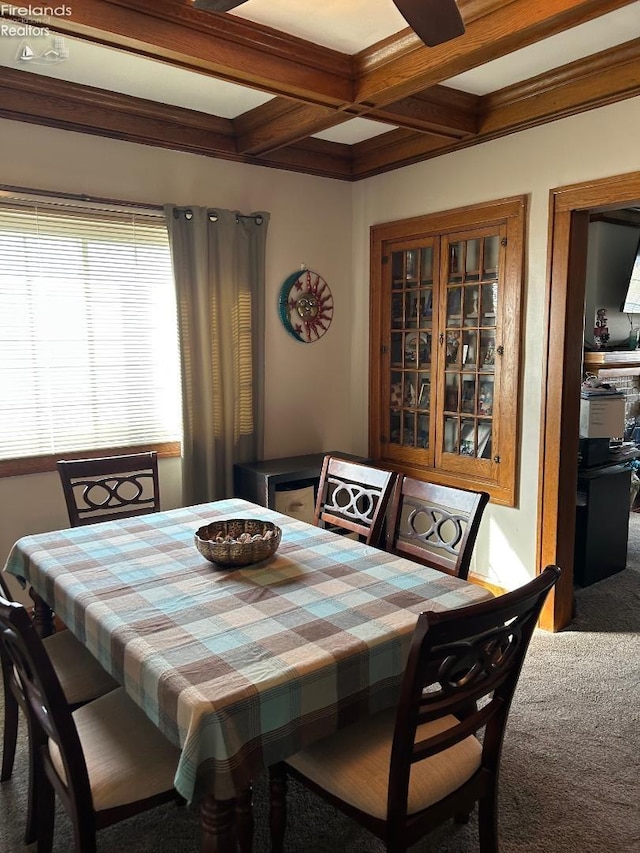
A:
<point x="212" y="214"/>
<point x="258" y="218"/>
<point x="28" y="192"/>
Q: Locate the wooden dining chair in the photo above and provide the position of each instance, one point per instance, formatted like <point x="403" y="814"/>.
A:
<point x="353" y="498"/>
<point x="81" y="679"/>
<point x="105" y="760"/>
<point x="404" y="771"/>
<point x="434" y="525"/>
<point x="110" y="487"/>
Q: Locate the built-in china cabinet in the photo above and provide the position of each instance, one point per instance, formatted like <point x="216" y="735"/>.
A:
<point x="446" y="294"/>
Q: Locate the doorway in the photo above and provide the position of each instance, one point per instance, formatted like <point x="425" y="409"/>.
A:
<point x="569" y="211"/>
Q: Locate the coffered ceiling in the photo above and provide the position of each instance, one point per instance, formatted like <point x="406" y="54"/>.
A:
<point x="340" y="88"/>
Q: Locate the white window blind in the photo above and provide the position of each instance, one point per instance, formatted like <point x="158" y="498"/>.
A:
<point x="88" y="334"/>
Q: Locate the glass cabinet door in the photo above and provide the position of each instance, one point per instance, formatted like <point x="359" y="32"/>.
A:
<point x="468" y="341"/>
<point x="445" y="344"/>
<point x="411" y="346"/>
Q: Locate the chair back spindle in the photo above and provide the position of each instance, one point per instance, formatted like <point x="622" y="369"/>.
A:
<point x="110" y="487"/>
<point x="435" y="525"/>
<point x="354" y="498"/>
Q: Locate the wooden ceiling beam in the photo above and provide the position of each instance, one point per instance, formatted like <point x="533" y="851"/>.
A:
<point x="430" y="123"/>
<point x="392" y="72"/>
<point x="440" y="110"/>
<point x="223" y="46"/>
<point x="37" y="99"/>
<point x="313" y="157"/>
<point x="279" y="123"/>
<point x="400" y="68"/>
<point x="595" y="81"/>
<point x="403" y="147"/>
<point x="445" y="112"/>
<point x="386" y="78"/>
<point x="605" y="78"/>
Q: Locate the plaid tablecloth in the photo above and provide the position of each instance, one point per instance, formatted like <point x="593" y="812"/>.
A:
<point x="239" y="668"/>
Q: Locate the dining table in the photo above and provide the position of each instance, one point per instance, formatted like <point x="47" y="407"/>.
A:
<point x="240" y="668"/>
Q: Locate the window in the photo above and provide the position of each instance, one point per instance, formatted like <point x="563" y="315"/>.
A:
<point x="88" y="335"/>
<point x="445" y="346"/>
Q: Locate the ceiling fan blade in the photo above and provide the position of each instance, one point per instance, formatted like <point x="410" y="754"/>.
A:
<point x="218" y="5"/>
<point x="434" y="21"/>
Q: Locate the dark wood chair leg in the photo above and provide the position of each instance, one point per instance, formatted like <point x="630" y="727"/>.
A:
<point x="10" y="733"/>
<point x="32" y="826"/>
<point x="46" y="813"/>
<point x="84" y="830"/>
<point x="244" y="822"/>
<point x="277" y="806"/>
<point x="488" y="822"/>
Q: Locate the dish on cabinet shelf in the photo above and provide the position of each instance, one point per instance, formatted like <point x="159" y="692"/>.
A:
<point x="416" y="345"/>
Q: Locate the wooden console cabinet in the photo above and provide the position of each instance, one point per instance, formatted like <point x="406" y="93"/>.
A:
<point x="258" y="482"/>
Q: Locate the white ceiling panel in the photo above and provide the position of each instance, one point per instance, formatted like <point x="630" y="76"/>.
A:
<point x="354" y="130"/>
<point x="602" y="33"/>
<point x="345" y="25"/>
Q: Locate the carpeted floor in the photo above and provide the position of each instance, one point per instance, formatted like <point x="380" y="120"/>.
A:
<point x="570" y="769"/>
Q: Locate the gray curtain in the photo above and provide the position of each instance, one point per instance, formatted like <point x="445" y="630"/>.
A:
<point x="219" y="260"/>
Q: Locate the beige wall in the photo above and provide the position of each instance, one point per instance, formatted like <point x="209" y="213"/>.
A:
<point x="307" y="386"/>
<point x="596" y="144"/>
<point x="317" y="394"/>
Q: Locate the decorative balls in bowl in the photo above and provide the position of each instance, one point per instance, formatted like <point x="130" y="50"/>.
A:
<point x="238" y="542"/>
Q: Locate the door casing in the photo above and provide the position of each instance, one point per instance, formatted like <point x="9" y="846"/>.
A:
<point x="569" y="211"/>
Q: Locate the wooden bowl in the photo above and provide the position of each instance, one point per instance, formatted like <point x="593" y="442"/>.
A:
<point x="222" y="542"/>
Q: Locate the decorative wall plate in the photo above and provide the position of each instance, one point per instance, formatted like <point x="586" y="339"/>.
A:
<point x="306" y="306"/>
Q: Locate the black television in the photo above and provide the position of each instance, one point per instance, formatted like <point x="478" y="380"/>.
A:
<point x="631" y="303"/>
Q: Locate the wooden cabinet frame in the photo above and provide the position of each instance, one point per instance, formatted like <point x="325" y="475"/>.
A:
<point x="435" y="232"/>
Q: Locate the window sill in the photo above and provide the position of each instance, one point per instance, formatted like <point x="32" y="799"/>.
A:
<point x="41" y="464"/>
